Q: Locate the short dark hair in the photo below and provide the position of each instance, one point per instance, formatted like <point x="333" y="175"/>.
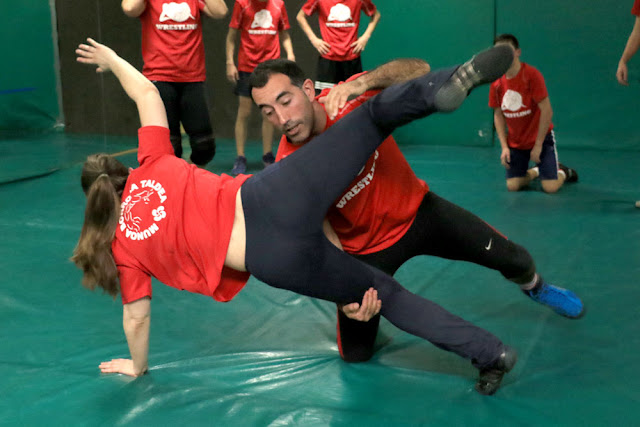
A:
<point x="261" y="74"/>
<point x="509" y="38"/>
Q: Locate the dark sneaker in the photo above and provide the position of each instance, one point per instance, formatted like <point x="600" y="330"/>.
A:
<point x="268" y="159"/>
<point x="562" y="301"/>
<point x="571" y="174"/>
<point x="485" y="67"/>
<point x="491" y="377"/>
<point x="239" y="166"/>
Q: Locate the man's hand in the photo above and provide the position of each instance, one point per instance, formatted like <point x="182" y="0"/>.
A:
<point x="623" y="74"/>
<point x="232" y="73"/>
<point x="535" y="153"/>
<point x="364" y="312"/>
<point x="339" y="95"/>
<point x="321" y="46"/>
<point x="359" y="45"/>
<point x="119" y="366"/>
<point x="97" y="54"/>
<point x="505" y="158"/>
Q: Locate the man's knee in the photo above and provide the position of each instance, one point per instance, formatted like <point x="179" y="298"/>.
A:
<point x="551" y="185"/>
<point x="514" y="184"/>
<point x="203" y="149"/>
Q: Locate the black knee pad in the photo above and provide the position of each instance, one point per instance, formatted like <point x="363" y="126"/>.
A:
<point x="176" y="143"/>
<point x="203" y="149"/>
<point x="356" y="340"/>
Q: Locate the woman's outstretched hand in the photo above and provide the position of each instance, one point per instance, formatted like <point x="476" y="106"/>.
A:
<point x="96" y="54"/>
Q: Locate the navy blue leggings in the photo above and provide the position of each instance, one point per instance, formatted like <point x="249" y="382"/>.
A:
<point x="285" y="204"/>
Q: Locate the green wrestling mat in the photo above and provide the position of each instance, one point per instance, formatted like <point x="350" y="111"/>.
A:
<point x="269" y="357"/>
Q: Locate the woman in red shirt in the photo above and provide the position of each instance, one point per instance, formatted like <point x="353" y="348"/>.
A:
<point x="268" y="225"/>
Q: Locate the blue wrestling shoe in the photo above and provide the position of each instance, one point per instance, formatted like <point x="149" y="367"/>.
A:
<point x="491" y="377"/>
<point x="562" y="301"/>
<point x="485" y="67"/>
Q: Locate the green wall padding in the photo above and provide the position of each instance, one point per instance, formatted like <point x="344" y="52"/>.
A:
<point x="28" y="86"/>
<point x="576" y="45"/>
<point x="444" y="34"/>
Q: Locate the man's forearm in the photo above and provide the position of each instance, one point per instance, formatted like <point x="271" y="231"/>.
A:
<point x="230" y="45"/>
<point x="372" y="25"/>
<point x="545" y="121"/>
<point x="633" y="43"/>
<point x="501" y="125"/>
<point x="287" y="45"/>
<point x="304" y="24"/>
<point x="393" y="72"/>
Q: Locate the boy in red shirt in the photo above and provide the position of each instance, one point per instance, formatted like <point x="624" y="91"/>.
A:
<point x="173" y="54"/>
<point x="630" y="49"/>
<point x="387" y="215"/>
<point x="262" y="25"/>
<point x="521" y="103"/>
<point x="339" y="45"/>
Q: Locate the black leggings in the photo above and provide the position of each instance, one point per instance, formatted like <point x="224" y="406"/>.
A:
<point x="186" y="103"/>
<point x="285" y="205"/>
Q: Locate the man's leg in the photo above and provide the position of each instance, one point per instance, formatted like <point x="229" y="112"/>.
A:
<point x="326" y="74"/>
<point x="242" y="123"/>
<point x="197" y="124"/>
<point x="170" y="98"/>
<point x="267" y="143"/>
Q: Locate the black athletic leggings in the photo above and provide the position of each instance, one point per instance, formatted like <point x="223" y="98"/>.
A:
<point x="186" y="103"/>
<point x="285" y="205"/>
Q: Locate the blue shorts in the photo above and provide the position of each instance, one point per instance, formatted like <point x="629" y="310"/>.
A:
<point x="242" y="86"/>
<point x="548" y="165"/>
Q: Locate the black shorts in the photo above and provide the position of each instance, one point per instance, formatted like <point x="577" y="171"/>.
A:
<point x="242" y="86"/>
<point x="331" y="72"/>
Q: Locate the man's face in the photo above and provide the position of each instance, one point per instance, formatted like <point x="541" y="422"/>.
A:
<point x="288" y="107"/>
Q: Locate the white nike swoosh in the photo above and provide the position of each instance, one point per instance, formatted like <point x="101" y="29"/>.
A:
<point x="489" y="245"/>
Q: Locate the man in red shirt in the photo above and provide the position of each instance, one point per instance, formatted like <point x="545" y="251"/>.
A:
<point x="262" y="25"/>
<point x="521" y="103"/>
<point x="630" y="49"/>
<point x="173" y="54"/>
<point x="339" y="45"/>
<point x="387" y="215"/>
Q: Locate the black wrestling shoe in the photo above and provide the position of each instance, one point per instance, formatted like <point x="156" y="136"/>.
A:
<point x="491" y="377"/>
<point x="485" y="67"/>
<point x="571" y="174"/>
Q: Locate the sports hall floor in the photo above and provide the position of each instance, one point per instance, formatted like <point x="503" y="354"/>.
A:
<point x="269" y="357"/>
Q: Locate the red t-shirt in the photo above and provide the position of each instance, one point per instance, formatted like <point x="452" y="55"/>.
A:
<point x="381" y="203"/>
<point x="518" y="99"/>
<point x="339" y="21"/>
<point x="635" y="10"/>
<point x="172" y="47"/>
<point x="259" y="23"/>
<point x="175" y="224"/>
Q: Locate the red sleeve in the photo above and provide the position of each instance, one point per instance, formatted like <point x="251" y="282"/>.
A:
<point x="284" y="19"/>
<point x="368" y="7"/>
<point x="493" y="95"/>
<point x="134" y="284"/>
<point x="236" y="16"/>
<point x="538" y="88"/>
<point x="310" y="7"/>
<point x="153" y="141"/>
<point x="635" y="10"/>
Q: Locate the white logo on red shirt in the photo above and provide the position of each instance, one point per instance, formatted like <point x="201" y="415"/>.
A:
<point x="360" y="185"/>
<point x="264" y="20"/>
<point x="512" y="101"/>
<point x="178" y="12"/>
<point x="341" y="13"/>
<point x="135" y="221"/>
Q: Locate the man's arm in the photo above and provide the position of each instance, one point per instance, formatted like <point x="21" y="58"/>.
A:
<point x="500" y="124"/>
<point x="136" y="321"/>
<point x="359" y="45"/>
<point x="543" y="127"/>
<point x="230" y="48"/>
<point x="133" y="8"/>
<point x="393" y="72"/>
<point x="285" y="37"/>
<point x="215" y="9"/>
<point x="320" y="45"/>
<point x="633" y="43"/>
<point x="138" y="87"/>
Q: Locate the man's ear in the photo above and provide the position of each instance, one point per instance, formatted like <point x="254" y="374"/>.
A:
<point x="309" y="89"/>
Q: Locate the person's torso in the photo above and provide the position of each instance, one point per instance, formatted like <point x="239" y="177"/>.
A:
<point x="172" y="46"/>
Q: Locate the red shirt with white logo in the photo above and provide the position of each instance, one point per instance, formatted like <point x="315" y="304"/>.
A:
<point x="381" y="203"/>
<point x="518" y="99"/>
<point x="175" y="225"/>
<point x="339" y="21"/>
<point x="259" y="23"/>
<point x="635" y="10"/>
<point x="172" y="47"/>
